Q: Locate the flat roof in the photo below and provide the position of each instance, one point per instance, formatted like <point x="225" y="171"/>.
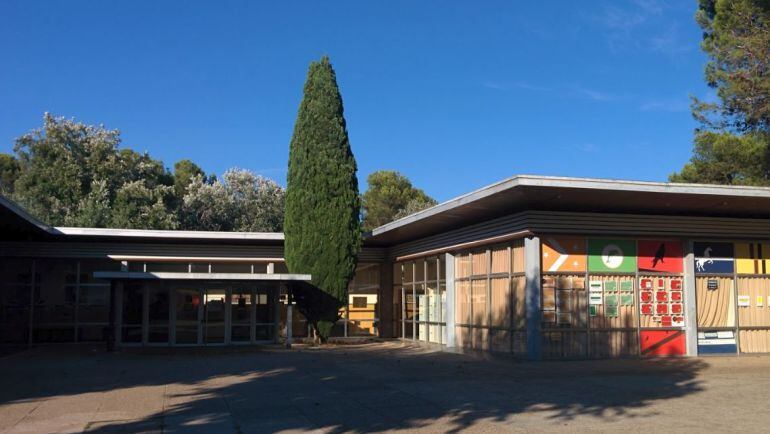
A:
<point x="168" y="234"/>
<point x="163" y="275"/>
<point x="17" y="223"/>
<point x="511" y="195"/>
<point x="532" y="192"/>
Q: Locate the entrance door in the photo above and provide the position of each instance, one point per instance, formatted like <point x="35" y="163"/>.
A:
<point x="214" y="317"/>
<point x="264" y="315"/>
<point x="187" y="315"/>
<point x="241" y="312"/>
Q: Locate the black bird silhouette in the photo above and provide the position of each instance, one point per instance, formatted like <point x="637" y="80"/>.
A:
<point x="659" y="255"/>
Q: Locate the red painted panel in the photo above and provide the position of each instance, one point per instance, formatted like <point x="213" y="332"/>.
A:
<point x="663" y="256"/>
<point x="663" y="343"/>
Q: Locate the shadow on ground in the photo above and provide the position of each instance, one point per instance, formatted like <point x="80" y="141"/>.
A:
<point x="366" y="388"/>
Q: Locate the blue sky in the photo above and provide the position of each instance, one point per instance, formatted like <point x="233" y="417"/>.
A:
<point x="455" y="95"/>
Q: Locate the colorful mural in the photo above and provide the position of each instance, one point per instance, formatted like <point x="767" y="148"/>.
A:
<point x="660" y="256"/>
<point x="752" y="258"/>
<point x="713" y="257"/>
<point x="564" y="254"/>
<point x="611" y="256"/>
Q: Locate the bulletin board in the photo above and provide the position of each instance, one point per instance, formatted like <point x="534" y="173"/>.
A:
<point x="661" y="301"/>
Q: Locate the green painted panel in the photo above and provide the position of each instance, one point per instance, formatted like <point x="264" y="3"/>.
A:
<point x="611" y="256"/>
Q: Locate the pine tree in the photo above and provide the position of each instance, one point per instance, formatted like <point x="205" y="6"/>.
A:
<point x="321" y="223"/>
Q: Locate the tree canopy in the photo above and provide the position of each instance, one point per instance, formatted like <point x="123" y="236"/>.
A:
<point x="242" y="201"/>
<point x="389" y="196"/>
<point x="322" y="227"/>
<point x="732" y="143"/>
<point x="73" y="174"/>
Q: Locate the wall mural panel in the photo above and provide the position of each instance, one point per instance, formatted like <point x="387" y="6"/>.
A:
<point x="752" y="258"/>
<point x="713" y="258"/>
<point x="660" y="256"/>
<point x="611" y="256"/>
<point x="562" y="254"/>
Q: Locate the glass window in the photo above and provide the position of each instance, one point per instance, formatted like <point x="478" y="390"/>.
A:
<point x="479" y="262"/>
<point x="89" y="266"/>
<point x="231" y="267"/>
<point x="54" y="301"/>
<point x="279" y="267"/>
<point x="94" y="304"/>
<point x="462" y="265"/>
<point x="158" y="314"/>
<point x="241" y="307"/>
<point x="432" y="269"/>
<point x="132" y="312"/>
<point x="199" y="267"/>
<point x="168" y="267"/>
<point x="479" y="302"/>
<point x="187" y="313"/>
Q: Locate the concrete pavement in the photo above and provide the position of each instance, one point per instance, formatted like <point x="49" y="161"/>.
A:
<point x="388" y="386"/>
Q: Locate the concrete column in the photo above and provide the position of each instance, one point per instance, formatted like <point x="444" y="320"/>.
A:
<point x="533" y="291"/>
<point x="276" y="296"/>
<point x="145" y="313"/>
<point x="690" y="307"/>
<point x="385" y="300"/>
<point x="289" y="322"/>
<point x="117" y="303"/>
<point x="449" y="337"/>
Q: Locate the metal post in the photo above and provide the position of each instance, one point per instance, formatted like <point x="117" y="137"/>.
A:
<point x="449" y="276"/>
<point x="691" y="314"/>
<point x="288" y="324"/>
<point x="117" y="302"/>
<point x="533" y="290"/>
<point x="274" y="296"/>
<point x="32" y="282"/>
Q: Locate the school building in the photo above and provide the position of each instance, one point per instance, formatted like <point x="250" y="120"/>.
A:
<point x="540" y="267"/>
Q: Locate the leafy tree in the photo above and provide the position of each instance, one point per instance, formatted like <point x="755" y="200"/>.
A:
<point x="139" y="206"/>
<point x="61" y="163"/>
<point x="726" y="158"/>
<point x="93" y="210"/>
<point x="9" y="171"/>
<point x="732" y="145"/>
<point x="243" y="201"/>
<point x="321" y="224"/>
<point x="736" y="37"/>
<point x="391" y="194"/>
<point x="184" y="172"/>
<point x="415" y="205"/>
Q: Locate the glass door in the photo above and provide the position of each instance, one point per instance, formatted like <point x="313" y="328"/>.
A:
<point x="214" y="317"/>
<point x="264" y="315"/>
<point x="187" y="303"/>
<point x="241" y="308"/>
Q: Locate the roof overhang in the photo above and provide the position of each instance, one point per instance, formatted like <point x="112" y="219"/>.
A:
<point x="150" y="235"/>
<point x="526" y="192"/>
<point x="135" y="275"/>
<point x="17" y="224"/>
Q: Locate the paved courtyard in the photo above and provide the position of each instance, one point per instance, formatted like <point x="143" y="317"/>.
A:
<point x="371" y="388"/>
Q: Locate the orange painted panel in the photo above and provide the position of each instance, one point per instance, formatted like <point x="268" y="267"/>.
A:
<point x="564" y="254"/>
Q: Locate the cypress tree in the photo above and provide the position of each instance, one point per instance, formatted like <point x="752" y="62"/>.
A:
<point x="321" y="222"/>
